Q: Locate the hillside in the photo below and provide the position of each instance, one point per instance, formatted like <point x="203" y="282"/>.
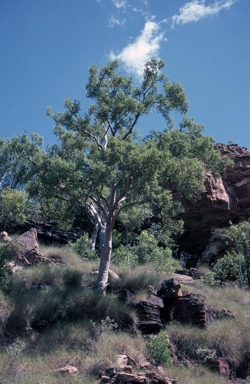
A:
<point x="56" y="329"/>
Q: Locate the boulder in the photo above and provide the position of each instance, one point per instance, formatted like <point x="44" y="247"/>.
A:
<point x="148" y="312"/>
<point x="69" y="369"/>
<point x="4" y="237"/>
<point x="187" y="309"/>
<point x="170" y="289"/>
<point x="29" y="251"/>
<point x="220" y="365"/>
<point x="226" y="199"/>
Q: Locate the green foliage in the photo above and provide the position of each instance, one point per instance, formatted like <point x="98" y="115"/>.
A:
<point x="8" y="251"/>
<point x="209" y="278"/>
<point x="19" y="159"/>
<point x="235" y="265"/>
<point x="100" y="163"/>
<point x="14" y="206"/>
<point x="146" y="250"/>
<point x="159" y="349"/>
<point x="82" y="246"/>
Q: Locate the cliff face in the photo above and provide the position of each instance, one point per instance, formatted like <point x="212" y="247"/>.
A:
<point x="226" y="199"/>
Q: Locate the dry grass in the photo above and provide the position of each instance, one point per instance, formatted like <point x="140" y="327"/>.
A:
<point x="33" y="359"/>
<point x="79" y="323"/>
<point x="229" y="338"/>
<point x="197" y="375"/>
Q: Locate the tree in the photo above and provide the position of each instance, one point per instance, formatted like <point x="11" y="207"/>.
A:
<point x="14" y="206"/>
<point x="19" y="158"/>
<point x="101" y="163"/>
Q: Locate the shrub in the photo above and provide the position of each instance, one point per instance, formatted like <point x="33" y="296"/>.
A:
<point x="235" y="265"/>
<point x="159" y="349"/>
<point x="146" y="250"/>
<point x="8" y="250"/>
<point x="82" y="246"/>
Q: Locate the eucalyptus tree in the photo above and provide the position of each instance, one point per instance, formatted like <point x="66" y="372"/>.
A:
<point x="100" y="163"/>
<point x="19" y="159"/>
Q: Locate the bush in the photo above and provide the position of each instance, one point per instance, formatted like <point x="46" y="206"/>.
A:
<point x="8" y="251"/>
<point x="235" y="265"/>
<point x="159" y="349"/>
<point x="146" y="250"/>
<point x="82" y="246"/>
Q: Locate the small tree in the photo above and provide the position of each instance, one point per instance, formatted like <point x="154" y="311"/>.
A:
<point x="235" y="265"/>
<point x="101" y="163"/>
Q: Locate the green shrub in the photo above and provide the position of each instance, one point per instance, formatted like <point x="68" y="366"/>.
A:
<point x="159" y="349"/>
<point x="235" y="265"/>
<point x="146" y="250"/>
<point x="82" y="246"/>
<point x="231" y="267"/>
<point x="8" y="250"/>
<point x="209" y="278"/>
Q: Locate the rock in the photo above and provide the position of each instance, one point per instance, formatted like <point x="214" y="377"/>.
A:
<point x="4" y="237"/>
<point x="218" y="244"/>
<point x="188" y="309"/>
<point x="184" y="279"/>
<point x="125" y="373"/>
<point x="148" y="312"/>
<point x="217" y="314"/>
<point x="69" y="369"/>
<point x="114" y="275"/>
<point x="170" y="289"/>
<point x="29" y="240"/>
<point x="192" y="272"/>
<point x="220" y="365"/>
<point x="159" y="378"/>
<point x="122" y="361"/>
<point x="29" y="252"/>
<point x="49" y="232"/>
<point x="226" y="198"/>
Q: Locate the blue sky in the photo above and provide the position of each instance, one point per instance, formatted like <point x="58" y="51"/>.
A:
<point x="47" y="47"/>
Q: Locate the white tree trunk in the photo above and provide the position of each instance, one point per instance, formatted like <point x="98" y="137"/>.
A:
<point x="94" y="234"/>
<point x="105" y="256"/>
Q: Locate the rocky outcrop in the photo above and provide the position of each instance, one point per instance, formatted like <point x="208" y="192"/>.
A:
<point x="127" y="370"/>
<point x="148" y="312"/>
<point x="29" y="252"/>
<point x="186" y="309"/>
<point x="221" y="366"/>
<point x="226" y="199"/>
<point x="47" y="231"/>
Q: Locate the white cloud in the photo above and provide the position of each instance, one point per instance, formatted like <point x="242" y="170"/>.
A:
<point x="120" y="3"/>
<point x="197" y="9"/>
<point x="114" y="21"/>
<point x="136" y="54"/>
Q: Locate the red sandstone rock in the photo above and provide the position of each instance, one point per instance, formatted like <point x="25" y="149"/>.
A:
<point x="226" y="199"/>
